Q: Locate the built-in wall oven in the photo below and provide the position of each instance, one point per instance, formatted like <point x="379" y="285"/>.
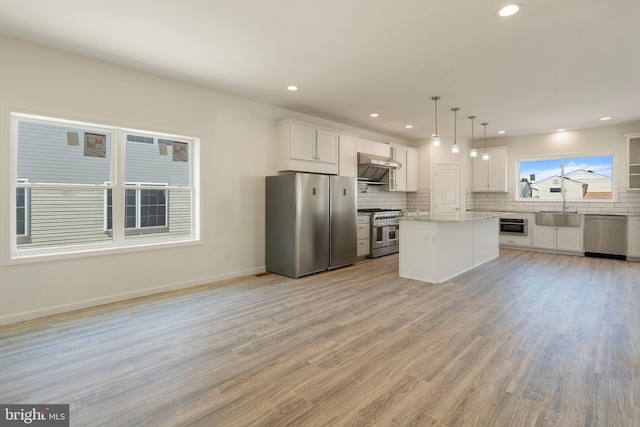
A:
<point x="385" y="231"/>
<point x="514" y="226"/>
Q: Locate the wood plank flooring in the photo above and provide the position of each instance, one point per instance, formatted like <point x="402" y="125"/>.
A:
<point x="529" y="339"/>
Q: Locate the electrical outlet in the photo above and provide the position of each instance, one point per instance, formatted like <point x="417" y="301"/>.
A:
<point x="226" y="257"/>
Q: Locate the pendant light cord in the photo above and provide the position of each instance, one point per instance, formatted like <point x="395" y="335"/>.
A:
<point x="435" y="100"/>
<point x="455" y="125"/>
<point x="485" y="136"/>
<point x="471" y="118"/>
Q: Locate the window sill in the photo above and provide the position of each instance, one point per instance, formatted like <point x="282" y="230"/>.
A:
<point x="33" y="256"/>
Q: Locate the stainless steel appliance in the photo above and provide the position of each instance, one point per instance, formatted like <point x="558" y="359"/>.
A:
<point x="385" y="231"/>
<point x="374" y="169"/>
<point x="310" y="223"/>
<point x="605" y="236"/>
<point x="514" y="226"/>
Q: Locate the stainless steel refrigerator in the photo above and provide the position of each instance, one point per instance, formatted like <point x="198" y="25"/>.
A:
<point x="310" y="223"/>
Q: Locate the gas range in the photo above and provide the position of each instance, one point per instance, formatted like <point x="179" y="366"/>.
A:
<point x="383" y="216"/>
<point x="385" y="231"/>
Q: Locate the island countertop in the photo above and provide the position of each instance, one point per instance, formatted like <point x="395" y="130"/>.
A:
<point x="464" y="216"/>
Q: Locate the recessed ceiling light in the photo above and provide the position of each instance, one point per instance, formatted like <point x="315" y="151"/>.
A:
<point x="292" y="88"/>
<point x="502" y="131"/>
<point x="510" y="9"/>
<point x="374" y="115"/>
<point x="561" y="130"/>
<point x="409" y="126"/>
<point x="605" y="118"/>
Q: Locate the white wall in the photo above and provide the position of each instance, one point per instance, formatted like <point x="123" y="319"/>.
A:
<point x="238" y="140"/>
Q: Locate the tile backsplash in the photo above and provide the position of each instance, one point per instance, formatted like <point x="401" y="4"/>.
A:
<point x="376" y="196"/>
<point x="628" y="203"/>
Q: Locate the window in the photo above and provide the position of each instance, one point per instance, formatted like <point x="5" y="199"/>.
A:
<point x="148" y="140"/>
<point x="572" y="178"/>
<point x="22" y="212"/>
<point x="75" y="193"/>
<point x="143" y="209"/>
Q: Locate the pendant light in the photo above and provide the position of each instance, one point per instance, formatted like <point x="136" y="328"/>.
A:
<point x="485" y="155"/>
<point x="455" y="148"/>
<point x="473" y="152"/>
<point x="436" y="138"/>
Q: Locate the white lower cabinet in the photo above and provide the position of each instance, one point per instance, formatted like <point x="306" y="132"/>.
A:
<point x="511" y="240"/>
<point x="558" y="238"/>
<point x="364" y="232"/>
<point x="633" y="237"/>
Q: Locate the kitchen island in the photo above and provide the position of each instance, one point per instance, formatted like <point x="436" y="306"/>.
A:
<point x="434" y="249"/>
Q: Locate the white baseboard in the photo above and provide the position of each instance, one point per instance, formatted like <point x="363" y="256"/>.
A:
<point x="78" y="305"/>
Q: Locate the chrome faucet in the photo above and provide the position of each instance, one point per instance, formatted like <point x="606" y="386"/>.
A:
<point x="564" y="200"/>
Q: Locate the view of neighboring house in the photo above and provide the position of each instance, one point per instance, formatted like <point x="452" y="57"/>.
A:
<point x="599" y="186"/>
<point x="76" y="206"/>
<point x="579" y="184"/>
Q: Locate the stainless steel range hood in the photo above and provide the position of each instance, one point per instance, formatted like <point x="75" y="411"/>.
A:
<point x="375" y="169"/>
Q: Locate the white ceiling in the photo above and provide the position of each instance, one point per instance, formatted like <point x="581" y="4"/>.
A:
<point x="556" y="64"/>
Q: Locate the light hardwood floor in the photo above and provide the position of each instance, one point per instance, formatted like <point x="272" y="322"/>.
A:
<point x="529" y="339"/>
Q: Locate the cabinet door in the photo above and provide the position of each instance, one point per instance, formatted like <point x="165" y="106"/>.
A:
<point x="633" y="239"/>
<point x="363" y="247"/>
<point x="569" y="239"/>
<point x="348" y="160"/>
<point x="480" y="174"/>
<point x="327" y="147"/>
<point x="497" y="173"/>
<point x="302" y="143"/>
<point x="544" y="237"/>
<point x="398" y="181"/>
<point x="373" y="147"/>
<point x="363" y="231"/>
<point x="633" y="145"/>
<point x="412" y="169"/>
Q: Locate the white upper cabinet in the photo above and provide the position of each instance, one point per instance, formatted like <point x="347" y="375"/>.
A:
<point x="490" y="175"/>
<point x="404" y="178"/>
<point x="373" y="147"/>
<point x="306" y="148"/>
<point x="398" y="177"/>
<point x="327" y="147"/>
<point x="348" y="162"/>
<point x="302" y="142"/>
<point x="633" y="146"/>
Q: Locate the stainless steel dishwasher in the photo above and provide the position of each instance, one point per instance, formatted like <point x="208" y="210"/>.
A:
<point x="605" y="236"/>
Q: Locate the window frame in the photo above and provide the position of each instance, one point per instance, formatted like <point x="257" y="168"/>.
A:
<point x="26" y="237"/>
<point x="563" y="158"/>
<point x="138" y="229"/>
<point x="119" y="243"/>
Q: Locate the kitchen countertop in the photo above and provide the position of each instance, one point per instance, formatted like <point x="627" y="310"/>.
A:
<point x="465" y="216"/>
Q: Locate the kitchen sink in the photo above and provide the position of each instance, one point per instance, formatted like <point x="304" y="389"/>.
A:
<point x="559" y="219"/>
